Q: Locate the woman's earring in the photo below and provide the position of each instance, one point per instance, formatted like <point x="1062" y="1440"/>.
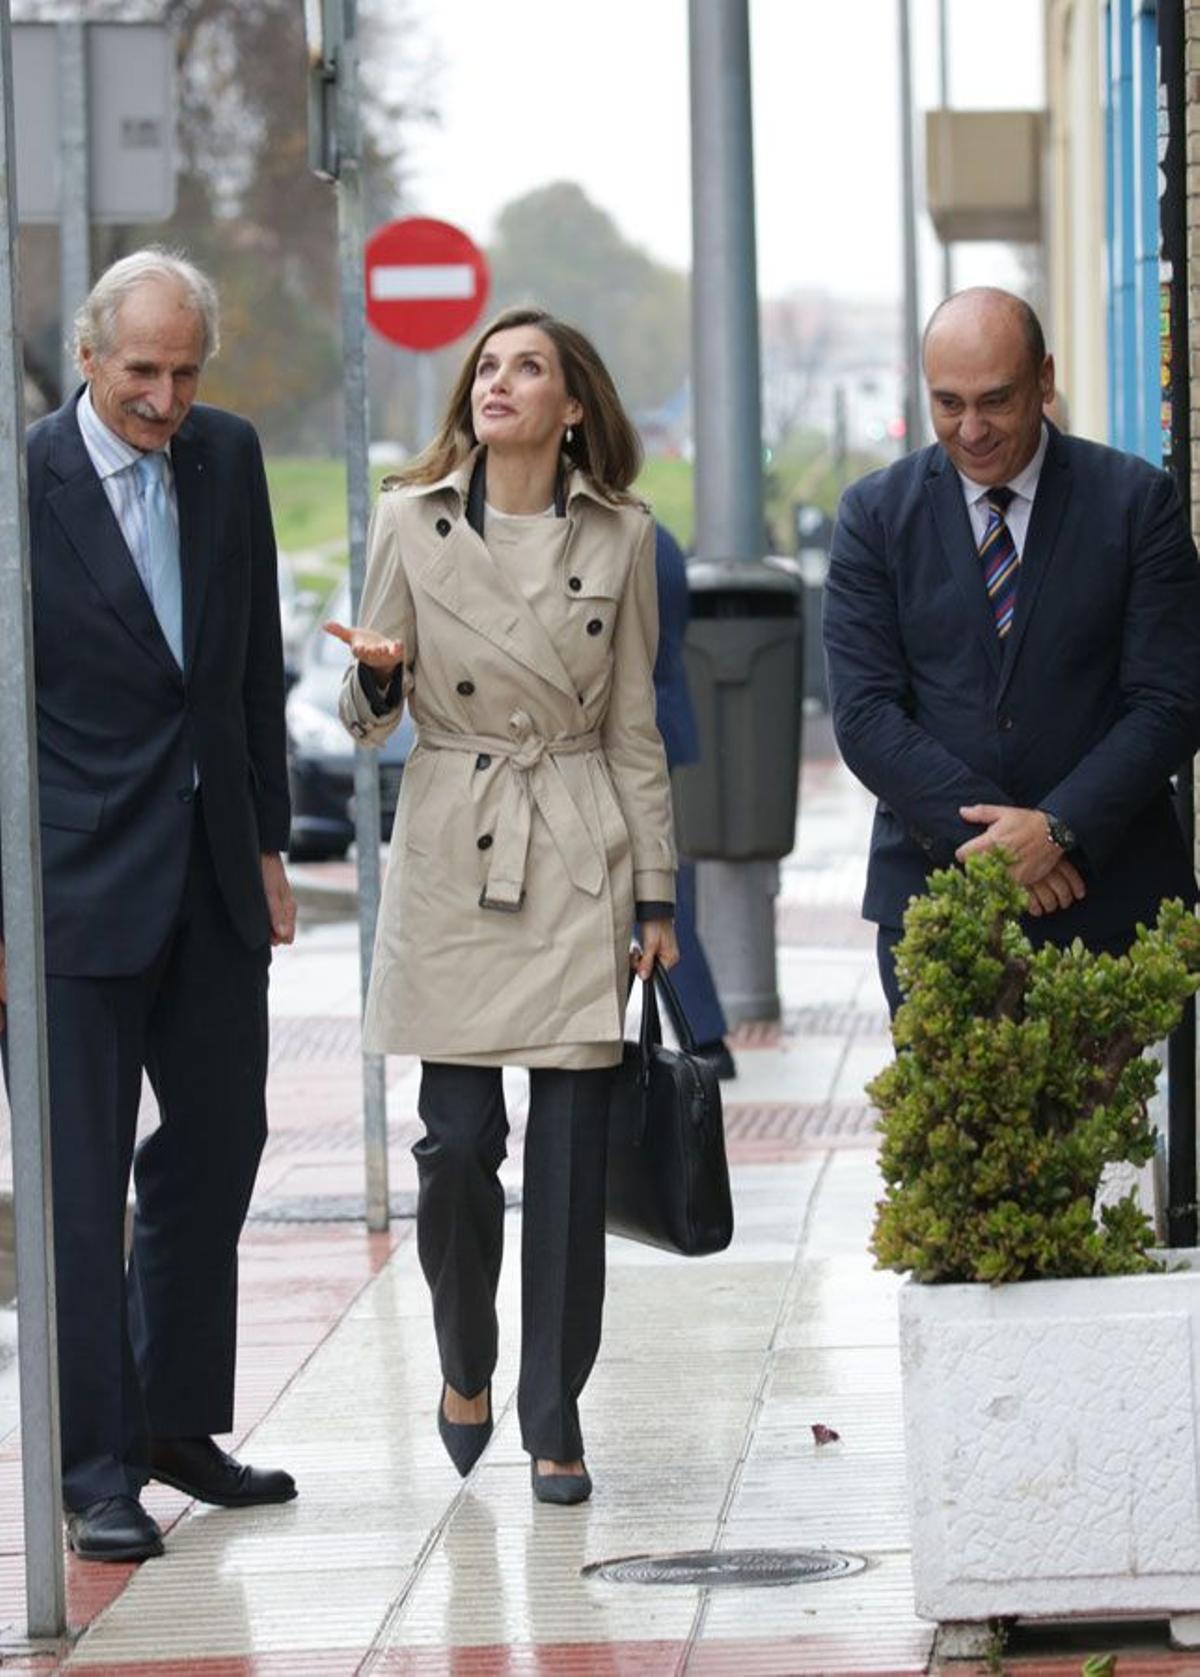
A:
<point x="570" y="436"/>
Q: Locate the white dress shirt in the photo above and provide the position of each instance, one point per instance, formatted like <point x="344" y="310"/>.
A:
<point x="1024" y="488"/>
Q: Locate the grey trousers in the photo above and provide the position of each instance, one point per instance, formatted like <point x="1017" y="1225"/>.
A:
<point x="460" y="1236"/>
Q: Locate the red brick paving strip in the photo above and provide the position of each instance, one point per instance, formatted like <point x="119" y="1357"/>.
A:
<point x="295" y="1288"/>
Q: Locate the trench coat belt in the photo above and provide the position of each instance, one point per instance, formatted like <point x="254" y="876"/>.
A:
<point x="534" y="780"/>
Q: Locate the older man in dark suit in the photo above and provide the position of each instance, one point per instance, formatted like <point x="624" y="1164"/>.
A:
<point x="1012" y="624"/>
<point x="164" y="806"/>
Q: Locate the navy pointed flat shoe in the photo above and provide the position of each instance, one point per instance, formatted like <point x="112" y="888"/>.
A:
<point x="565" y="1489"/>
<point x="465" y="1441"/>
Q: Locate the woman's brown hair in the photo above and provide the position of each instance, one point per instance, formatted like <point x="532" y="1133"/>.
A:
<point x="604" y="444"/>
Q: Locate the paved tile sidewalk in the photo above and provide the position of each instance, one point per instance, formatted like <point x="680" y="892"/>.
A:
<point x="698" y="1418"/>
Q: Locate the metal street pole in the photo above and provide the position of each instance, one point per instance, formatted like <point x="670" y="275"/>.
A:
<point x="28" y="1087"/>
<point x="74" y="209"/>
<point x="426" y="399"/>
<point x="913" y="420"/>
<point x="736" y="900"/>
<point x="944" y="100"/>
<point x="367" y="819"/>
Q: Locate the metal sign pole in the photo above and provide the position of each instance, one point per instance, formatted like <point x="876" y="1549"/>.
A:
<point x="74" y="208"/>
<point x="944" y="100"/>
<point x="913" y="419"/>
<point x="367" y="818"/>
<point x="736" y="899"/>
<point x="28" y="1087"/>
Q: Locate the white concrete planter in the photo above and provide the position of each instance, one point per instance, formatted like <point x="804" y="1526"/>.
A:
<point x="1053" y="1447"/>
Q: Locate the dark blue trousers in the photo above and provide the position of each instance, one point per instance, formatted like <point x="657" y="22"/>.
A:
<point x="693" y="977"/>
<point x="147" y="1349"/>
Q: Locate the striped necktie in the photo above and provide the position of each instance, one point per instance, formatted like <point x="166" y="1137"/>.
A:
<point x="1001" y="561"/>
<point x="160" y="569"/>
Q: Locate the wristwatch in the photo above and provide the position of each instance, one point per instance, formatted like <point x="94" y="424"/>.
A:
<point x="1060" y="833"/>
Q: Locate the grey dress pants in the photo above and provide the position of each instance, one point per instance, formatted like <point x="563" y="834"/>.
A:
<point x="460" y="1236"/>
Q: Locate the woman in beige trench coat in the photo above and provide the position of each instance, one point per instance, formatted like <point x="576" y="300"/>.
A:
<point x="510" y="601"/>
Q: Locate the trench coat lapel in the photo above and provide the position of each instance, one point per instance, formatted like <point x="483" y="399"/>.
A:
<point x="194" y="496"/>
<point x="958" y="544"/>
<point x="1041" y="544"/>
<point x="80" y="505"/>
<point x="461" y="576"/>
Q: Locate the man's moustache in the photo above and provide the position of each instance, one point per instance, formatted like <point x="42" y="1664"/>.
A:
<point x="149" y="413"/>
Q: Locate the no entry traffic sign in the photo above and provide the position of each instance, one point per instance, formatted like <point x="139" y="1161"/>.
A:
<point x="427" y="282"/>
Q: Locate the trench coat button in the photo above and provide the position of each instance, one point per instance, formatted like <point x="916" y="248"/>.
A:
<point x="442" y="526"/>
<point x="595" y="626"/>
<point x="484" y="842"/>
<point x="466" y="688"/>
<point x="483" y="761"/>
<point x="574" y="584"/>
<point x="184" y="794"/>
<point x="1006" y="722"/>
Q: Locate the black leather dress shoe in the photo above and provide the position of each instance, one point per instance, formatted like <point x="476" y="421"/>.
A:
<point x="117" y="1528"/>
<point x="718" y="1057"/>
<point x="200" y="1469"/>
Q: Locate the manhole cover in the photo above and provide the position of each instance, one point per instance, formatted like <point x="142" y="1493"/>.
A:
<point x="714" y="1569"/>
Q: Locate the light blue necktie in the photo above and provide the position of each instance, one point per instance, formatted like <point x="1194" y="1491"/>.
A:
<point x="161" y="574"/>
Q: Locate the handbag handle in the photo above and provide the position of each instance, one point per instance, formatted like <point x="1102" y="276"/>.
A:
<point x="650" y="1034"/>
<point x="679" y="1019"/>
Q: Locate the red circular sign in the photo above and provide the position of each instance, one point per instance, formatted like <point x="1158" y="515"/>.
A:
<point x="427" y="282"/>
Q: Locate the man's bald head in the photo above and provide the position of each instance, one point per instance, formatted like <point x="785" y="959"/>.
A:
<point x="986" y="308"/>
<point x="989" y="378"/>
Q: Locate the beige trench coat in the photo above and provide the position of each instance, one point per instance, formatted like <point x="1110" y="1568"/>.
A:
<point x="535" y="806"/>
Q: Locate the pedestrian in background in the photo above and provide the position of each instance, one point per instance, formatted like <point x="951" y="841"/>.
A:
<point x="677" y="725"/>
<point x="510" y="601"/>
<point x="1012" y="622"/>
<point x="162" y="785"/>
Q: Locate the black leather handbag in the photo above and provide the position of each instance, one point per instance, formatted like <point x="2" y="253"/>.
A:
<point x="668" y="1181"/>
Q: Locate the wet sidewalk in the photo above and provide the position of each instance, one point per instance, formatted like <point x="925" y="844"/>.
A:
<point x="698" y="1418"/>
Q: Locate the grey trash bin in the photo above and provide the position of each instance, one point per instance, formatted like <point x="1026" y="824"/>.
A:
<point x="744" y="655"/>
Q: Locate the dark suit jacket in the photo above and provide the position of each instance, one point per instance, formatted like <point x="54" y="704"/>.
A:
<point x="675" y="716"/>
<point x="1087" y="707"/>
<point x="119" y="727"/>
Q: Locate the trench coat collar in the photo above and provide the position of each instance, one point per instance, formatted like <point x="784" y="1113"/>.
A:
<point x="458" y="482"/>
<point x="460" y="575"/>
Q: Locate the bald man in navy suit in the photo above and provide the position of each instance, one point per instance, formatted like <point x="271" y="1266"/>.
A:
<point x="1012" y="627"/>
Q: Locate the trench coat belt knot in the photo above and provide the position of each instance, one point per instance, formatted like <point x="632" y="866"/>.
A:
<point x="534" y="779"/>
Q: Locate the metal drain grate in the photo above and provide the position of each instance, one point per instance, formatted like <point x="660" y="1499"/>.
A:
<point x="725" y="1568"/>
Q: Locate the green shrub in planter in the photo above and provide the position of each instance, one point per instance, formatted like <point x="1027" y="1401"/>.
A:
<point x="1018" y="1077"/>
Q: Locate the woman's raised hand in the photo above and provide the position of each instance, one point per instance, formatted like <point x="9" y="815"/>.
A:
<point x="381" y="655"/>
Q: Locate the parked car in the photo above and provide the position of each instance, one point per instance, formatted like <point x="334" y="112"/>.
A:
<point x="297" y="608"/>
<point x="321" y="752"/>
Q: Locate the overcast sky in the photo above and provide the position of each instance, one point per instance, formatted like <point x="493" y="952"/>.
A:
<point x="532" y="91"/>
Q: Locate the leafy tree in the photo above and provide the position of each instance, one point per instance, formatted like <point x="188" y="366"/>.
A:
<point x="557" y="248"/>
<point x="249" y="210"/>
